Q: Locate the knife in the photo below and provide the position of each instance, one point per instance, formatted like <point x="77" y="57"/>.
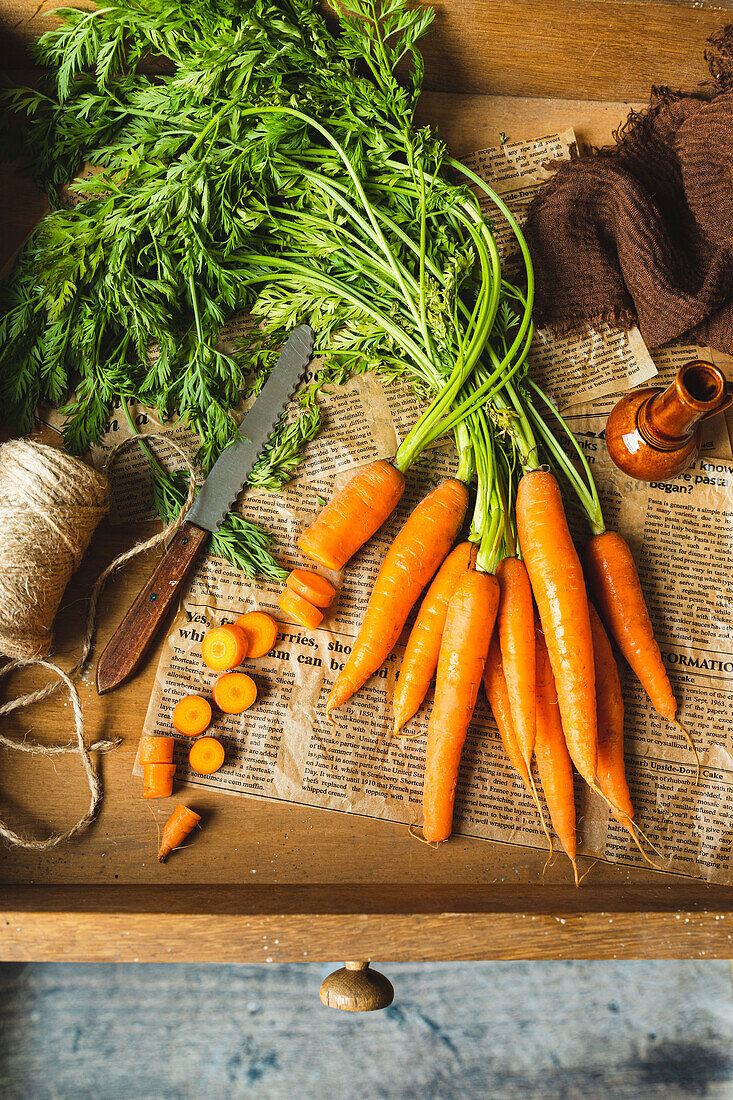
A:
<point x="137" y="631"/>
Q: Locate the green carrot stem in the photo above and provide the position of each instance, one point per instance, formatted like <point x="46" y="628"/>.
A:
<point x="318" y="279"/>
<point x="420" y="434"/>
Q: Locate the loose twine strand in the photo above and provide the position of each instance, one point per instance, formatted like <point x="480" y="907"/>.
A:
<point x="50" y="506"/>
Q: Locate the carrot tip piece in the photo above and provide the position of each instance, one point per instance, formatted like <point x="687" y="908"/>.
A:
<point x="575" y="874"/>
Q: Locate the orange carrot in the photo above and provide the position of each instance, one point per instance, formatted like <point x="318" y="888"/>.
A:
<point x="206" y="755"/>
<point x="192" y="715"/>
<point x="158" y="780"/>
<point x="312" y="587"/>
<point x="559" y="589"/>
<point x="610" y="710"/>
<point x="468" y="628"/>
<point x="551" y="754"/>
<point x="260" y="632"/>
<point x="498" y="696"/>
<point x="516" y="636"/>
<point x="353" y="515"/>
<point x="224" y="647"/>
<point x="176" y="829"/>
<point x="410" y="562"/>
<point x="420" y="658"/>
<point x="156" y="750"/>
<point x="234" y="692"/>
<point x="295" y="607"/>
<point x="615" y="586"/>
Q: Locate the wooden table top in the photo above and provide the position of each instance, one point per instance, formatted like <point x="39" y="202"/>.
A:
<point x="266" y="849"/>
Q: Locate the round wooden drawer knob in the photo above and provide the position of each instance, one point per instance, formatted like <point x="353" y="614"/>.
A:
<point x="356" y="988"/>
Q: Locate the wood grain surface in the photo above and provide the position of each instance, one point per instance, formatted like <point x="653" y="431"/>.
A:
<point x="571" y="48"/>
<point x="594" y="49"/>
<point x="375" y="921"/>
<point x="280" y="847"/>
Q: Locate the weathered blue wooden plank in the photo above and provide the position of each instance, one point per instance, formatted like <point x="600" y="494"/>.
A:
<point x="508" y="1031"/>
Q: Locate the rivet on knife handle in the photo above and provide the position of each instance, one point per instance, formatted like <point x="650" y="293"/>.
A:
<point x="135" y="634"/>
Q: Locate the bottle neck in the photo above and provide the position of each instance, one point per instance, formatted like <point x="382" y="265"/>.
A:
<point x="669" y="418"/>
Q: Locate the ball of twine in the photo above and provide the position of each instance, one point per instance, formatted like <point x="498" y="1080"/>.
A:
<point x="50" y="506"/>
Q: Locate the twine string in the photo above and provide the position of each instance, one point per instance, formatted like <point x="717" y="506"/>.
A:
<point x="48" y="515"/>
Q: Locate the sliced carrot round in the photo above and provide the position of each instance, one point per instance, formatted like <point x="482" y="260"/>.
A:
<point x="260" y="632"/>
<point x="234" y="692"/>
<point x="312" y="587"/>
<point x="158" y="780"/>
<point x="224" y="647"/>
<point x="299" y="609"/>
<point x="156" y="750"/>
<point x="206" y="755"/>
<point x="192" y="715"/>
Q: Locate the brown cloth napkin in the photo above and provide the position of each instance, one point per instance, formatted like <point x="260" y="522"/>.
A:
<point x="642" y="231"/>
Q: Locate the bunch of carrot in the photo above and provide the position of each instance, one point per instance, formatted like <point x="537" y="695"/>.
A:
<point x="524" y="624"/>
<point x="509" y="606"/>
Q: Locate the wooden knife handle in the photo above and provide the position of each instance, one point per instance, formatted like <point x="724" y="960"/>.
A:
<point x="136" y="633"/>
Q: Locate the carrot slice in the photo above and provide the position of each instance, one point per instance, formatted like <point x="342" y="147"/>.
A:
<point x="260" y="632"/>
<point x="158" y="780"/>
<point x="224" y="647"/>
<point x="353" y="515"/>
<point x="176" y="829"/>
<point x="299" y="609"/>
<point x="206" y="755"/>
<point x="156" y="750"/>
<point x="234" y="692"/>
<point x="312" y="587"/>
<point x="192" y="715"/>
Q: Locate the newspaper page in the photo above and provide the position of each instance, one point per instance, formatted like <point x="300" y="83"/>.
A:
<point x="283" y="748"/>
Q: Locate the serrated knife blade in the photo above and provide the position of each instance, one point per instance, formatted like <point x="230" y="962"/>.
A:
<point x="135" y="634"/>
<point x="234" y="465"/>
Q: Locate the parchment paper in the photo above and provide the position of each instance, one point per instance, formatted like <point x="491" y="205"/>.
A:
<point x="682" y="537"/>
